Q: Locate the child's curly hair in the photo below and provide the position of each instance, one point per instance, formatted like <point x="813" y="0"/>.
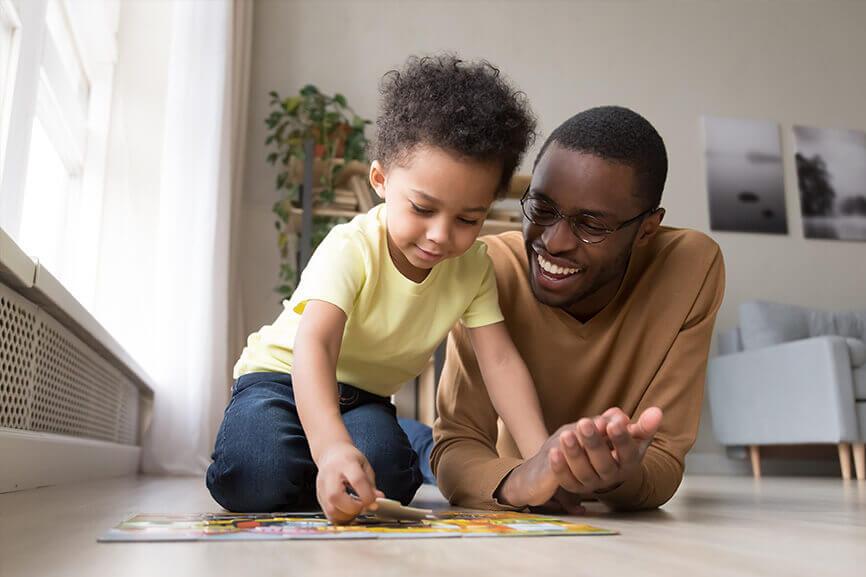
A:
<point x="467" y="108"/>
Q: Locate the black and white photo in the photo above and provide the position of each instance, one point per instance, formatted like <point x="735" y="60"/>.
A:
<point x="745" y="179"/>
<point x="831" y="173"/>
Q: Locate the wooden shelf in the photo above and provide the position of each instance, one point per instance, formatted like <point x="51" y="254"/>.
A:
<point x="496" y="226"/>
<point x="490" y="226"/>
<point x="327" y="211"/>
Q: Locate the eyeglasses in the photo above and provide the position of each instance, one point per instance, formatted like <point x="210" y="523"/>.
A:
<point x="587" y="228"/>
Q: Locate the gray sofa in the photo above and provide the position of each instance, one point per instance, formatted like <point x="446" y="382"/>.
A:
<point x="791" y="375"/>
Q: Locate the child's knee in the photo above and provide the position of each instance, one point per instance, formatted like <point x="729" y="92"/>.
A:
<point x="400" y="484"/>
<point x="397" y="470"/>
<point x="243" y="487"/>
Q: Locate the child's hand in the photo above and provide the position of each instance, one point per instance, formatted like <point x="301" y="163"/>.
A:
<point x="345" y="485"/>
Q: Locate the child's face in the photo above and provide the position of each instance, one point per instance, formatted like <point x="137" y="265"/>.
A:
<point x="436" y="204"/>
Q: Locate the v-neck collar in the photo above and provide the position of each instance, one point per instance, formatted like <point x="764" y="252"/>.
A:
<point x="581" y="328"/>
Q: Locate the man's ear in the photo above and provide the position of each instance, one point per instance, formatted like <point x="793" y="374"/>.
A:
<point x="650" y="226"/>
<point x="377" y="178"/>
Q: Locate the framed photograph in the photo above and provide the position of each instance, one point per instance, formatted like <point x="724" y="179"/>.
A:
<point x="745" y="179"/>
<point x="831" y="174"/>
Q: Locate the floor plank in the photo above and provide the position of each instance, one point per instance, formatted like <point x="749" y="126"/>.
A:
<point x="713" y="526"/>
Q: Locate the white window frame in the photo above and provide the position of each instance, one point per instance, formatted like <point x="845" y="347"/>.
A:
<point x="53" y="58"/>
<point x="9" y="17"/>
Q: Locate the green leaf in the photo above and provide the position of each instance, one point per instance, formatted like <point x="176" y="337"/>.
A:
<point x="341" y="100"/>
<point x="291" y="105"/>
<point x="309" y="90"/>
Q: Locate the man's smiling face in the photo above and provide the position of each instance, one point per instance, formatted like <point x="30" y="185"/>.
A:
<point x="564" y="271"/>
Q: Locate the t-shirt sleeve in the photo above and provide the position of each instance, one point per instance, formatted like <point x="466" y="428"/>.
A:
<point x="335" y="273"/>
<point x="484" y="308"/>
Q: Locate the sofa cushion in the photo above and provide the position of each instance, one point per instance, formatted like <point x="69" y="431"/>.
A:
<point x="857" y="352"/>
<point x="730" y="342"/>
<point x="763" y="324"/>
<point x="821" y="323"/>
<point x="851" y="324"/>
<point x="859" y="375"/>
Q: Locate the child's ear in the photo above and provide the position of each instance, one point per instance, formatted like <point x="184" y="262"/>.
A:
<point x="377" y="178"/>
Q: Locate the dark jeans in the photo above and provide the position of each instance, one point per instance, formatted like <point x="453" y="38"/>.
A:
<point x="262" y="461"/>
<point x="421" y="439"/>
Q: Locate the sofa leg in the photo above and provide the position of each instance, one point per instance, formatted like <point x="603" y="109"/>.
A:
<point x="860" y="460"/>
<point x="755" y="455"/>
<point x="845" y="460"/>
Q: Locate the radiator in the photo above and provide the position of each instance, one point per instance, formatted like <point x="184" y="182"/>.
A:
<point x="52" y="382"/>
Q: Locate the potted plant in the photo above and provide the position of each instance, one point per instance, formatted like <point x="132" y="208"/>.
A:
<point x="338" y="136"/>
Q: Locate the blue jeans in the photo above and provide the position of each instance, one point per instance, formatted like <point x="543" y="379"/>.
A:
<point x="421" y="439"/>
<point x="261" y="459"/>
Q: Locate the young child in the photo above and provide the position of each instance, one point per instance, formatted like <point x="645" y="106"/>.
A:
<point x="310" y="416"/>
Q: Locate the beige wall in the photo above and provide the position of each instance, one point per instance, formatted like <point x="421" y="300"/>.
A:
<point x="789" y="61"/>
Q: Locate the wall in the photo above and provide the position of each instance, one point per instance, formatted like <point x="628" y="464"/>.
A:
<point x="789" y="61"/>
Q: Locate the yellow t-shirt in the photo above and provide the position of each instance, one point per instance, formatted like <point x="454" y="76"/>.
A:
<point x="393" y="324"/>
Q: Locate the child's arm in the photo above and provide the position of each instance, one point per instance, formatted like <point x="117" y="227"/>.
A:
<point x="340" y="463"/>
<point x="510" y="386"/>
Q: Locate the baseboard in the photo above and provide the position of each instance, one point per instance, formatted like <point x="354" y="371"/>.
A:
<point x="715" y="464"/>
<point x="721" y="464"/>
<point x="33" y="460"/>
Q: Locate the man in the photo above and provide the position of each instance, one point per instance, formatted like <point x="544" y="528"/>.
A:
<point x="613" y="315"/>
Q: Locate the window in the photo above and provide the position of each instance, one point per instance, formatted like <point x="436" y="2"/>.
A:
<point x="52" y="176"/>
<point x="10" y="39"/>
<point x="58" y="141"/>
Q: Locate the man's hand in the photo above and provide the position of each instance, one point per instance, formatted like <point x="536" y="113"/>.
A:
<point x="599" y="454"/>
<point x="581" y="458"/>
<point x="346" y="484"/>
<point x="562" y="503"/>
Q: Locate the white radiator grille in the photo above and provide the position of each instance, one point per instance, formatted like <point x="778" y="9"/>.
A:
<point x="17" y="322"/>
<point x="52" y="382"/>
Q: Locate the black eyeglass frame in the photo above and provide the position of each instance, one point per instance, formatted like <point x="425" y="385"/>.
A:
<point x="573" y="223"/>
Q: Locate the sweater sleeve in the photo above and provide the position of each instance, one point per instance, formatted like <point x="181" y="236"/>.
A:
<point x="678" y="389"/>
<point x="464" y="459"/>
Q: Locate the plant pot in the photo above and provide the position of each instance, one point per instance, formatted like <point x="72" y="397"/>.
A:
<point x="337" y="135"/>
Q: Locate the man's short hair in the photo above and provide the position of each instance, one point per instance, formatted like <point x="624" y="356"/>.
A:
<point x="621" y="135"/>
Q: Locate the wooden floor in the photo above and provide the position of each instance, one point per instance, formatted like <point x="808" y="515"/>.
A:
<point x="714" y="526"/>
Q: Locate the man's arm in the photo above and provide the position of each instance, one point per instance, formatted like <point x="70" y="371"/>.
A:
<point x="678" y="388"/>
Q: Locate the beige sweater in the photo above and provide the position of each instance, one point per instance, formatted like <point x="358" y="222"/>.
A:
<point x="648" y="347"/>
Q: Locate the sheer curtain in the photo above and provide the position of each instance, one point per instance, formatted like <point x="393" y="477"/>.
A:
<point x="173" y="183"/>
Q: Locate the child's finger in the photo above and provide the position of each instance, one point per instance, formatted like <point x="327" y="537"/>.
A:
<point x="347" y="506"/>
<point x="360" y="483"/>
<point x="371" y="474"/>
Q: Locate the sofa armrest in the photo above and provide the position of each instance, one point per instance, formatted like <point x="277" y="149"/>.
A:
<point x="795" y="392"/>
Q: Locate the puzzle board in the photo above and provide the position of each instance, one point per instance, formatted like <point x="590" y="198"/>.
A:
<point x="277" y="526"/>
